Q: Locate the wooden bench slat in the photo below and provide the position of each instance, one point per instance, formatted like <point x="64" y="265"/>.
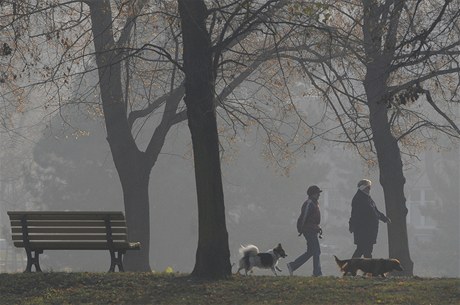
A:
<point x="75" y="230"/>
<point x="68" y="223"/>
<point x="34" y="237"/>
<point x="66" y="245"/>
<point x="54" y="215"/>
<point x="37" y="231"/>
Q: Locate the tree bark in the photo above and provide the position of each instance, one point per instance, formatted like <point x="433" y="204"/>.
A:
<point x="213" y="255"/>
<point x="378" y="63"/>
<point x="390" y="165"/>
<point x="132" y="165"/>
<point x="135" y="177"/>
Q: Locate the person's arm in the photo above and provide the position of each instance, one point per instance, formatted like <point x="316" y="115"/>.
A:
<point x="307" y="212"/>
<point x="382" y="217"/>
<point x="353" y="217"/>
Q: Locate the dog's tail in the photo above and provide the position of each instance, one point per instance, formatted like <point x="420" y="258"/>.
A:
<point x="249" y="250"/>
<point x="340" y="263"/>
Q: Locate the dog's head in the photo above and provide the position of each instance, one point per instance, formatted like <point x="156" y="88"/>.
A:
<point x="395" y="264"/>
<point x="279" y="251"/>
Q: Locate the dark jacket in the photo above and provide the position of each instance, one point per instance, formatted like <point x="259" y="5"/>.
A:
<point x="365" y="216"/>
<point x="311" y="216"/>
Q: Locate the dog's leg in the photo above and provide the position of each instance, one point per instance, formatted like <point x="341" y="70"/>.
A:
<point x="344" y="268"/>
<point x="274" y="271"/>
<point x="278" y="268"/>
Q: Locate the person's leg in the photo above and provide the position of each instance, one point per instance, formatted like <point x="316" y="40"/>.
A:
<point x="299" y="261"/>
<point x="359" y="251"/>
<point x="302" y="258"/>
<point x="367" y="250"/>
<point x="316" y="249"/>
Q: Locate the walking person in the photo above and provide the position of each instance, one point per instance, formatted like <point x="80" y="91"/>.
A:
<point x="308" y="226"/>
<point x="364" y="220"/>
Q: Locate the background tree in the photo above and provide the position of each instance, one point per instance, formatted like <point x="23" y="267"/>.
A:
<point x="202" y="59"/>
<point x="133" y="165"/>
<point x="66" y="30"/>
<point x="213" y="255"/>
<point x="389" y="65"/>
<point x="67" y="25"/>
<point x="107" y="51"/>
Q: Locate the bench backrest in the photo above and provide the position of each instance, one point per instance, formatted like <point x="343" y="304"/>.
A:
<point x="68" y="229"/>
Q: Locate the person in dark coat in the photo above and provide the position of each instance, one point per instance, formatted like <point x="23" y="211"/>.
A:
<point x="308" y="226"/>
<point x="364" y="220"/>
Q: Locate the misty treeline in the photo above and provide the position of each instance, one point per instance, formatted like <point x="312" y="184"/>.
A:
<point x="386" y="74"/>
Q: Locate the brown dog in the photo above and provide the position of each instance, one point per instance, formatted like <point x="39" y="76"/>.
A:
<point x="374" y="266"/>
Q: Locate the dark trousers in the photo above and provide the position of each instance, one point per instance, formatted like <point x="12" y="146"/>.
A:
<point x="313" y="250"/>
<point x="363" y="249"/>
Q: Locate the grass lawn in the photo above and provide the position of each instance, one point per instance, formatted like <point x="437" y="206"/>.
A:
<point x="150" y="288"/>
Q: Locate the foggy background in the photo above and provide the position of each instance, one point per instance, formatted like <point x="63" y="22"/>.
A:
<point x="57" y="158"/>
<point x="57" y="168"/>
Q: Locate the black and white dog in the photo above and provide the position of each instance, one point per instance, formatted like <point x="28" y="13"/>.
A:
<point x="267" y="260"/>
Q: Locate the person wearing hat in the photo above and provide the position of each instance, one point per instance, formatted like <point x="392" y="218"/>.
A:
<point x="308" y="226"/>
<point x="364" y="220"/>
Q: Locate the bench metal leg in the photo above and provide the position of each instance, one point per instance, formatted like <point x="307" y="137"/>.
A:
<point x="116" y="260"/>
<point x="33" y="260"/>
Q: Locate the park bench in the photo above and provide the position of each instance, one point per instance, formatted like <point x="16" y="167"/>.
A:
<point x="37" y="231"/>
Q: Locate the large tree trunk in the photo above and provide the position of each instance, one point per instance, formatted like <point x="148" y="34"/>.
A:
<point x="132" y="166"/>
<point x="390" y="165"/>
<point x="134" y="173"/>
<point x="213" y="255"/>
<point x="392" y="179"/>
